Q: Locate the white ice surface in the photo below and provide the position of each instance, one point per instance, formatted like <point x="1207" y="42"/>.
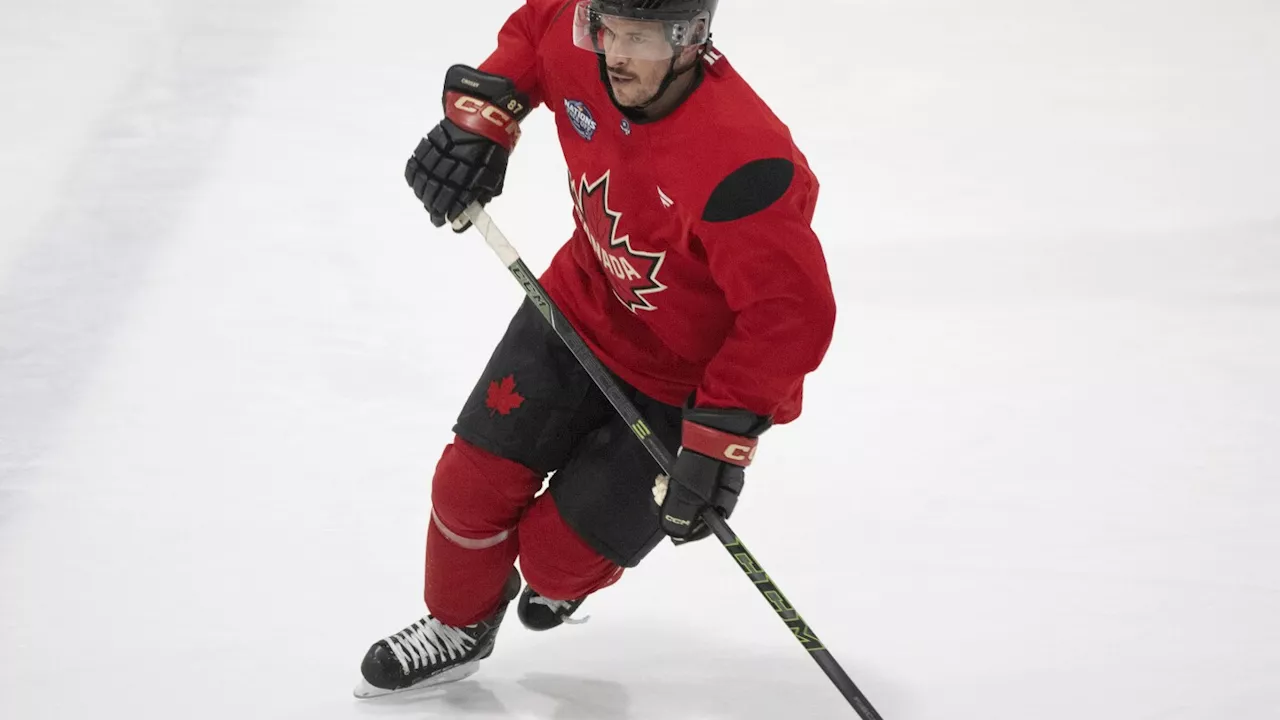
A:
<point x="1036" y="477"/>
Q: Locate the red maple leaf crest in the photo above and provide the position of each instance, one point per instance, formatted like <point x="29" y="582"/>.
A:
<point x="502" y="397"/>
<point x="632" y="273"/>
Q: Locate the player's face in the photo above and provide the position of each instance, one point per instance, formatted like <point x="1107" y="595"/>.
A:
<point x="638" y="57"/>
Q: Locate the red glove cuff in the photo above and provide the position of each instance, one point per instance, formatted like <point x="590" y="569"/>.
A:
<point x="723" y="446"/>
<point x="483" y="118"/>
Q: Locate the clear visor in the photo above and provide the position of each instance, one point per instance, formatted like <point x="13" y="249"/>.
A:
<point x="627" y="37"/>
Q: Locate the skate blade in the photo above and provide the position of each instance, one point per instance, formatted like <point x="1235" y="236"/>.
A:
<point x="364" y="690"/>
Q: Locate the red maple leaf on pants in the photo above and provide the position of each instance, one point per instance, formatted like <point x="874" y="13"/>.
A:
<point x="502" y="397"/>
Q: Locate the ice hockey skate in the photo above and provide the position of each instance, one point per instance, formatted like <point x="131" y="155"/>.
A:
<point x="541" y="613"/>
<point x="430" y="653"/>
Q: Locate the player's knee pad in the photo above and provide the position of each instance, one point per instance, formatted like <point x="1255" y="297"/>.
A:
<point x="477" y="497"/>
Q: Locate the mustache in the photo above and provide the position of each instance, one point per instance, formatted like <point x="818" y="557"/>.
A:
<point x="624" y="75"/>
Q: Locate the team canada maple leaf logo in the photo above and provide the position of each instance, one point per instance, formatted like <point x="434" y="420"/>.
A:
<point x="632" y="273"/>
<point x="502" y="397"/>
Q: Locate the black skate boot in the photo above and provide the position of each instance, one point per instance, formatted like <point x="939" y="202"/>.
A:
<point x="430" y="653"/>
<point x="540" y="613"/>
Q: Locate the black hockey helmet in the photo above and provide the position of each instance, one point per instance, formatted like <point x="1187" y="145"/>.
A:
<point x="685" y="23"/>
<point x="669" y="10"/>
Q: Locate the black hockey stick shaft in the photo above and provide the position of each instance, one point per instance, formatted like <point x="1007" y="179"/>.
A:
<point x="604" y="380"/>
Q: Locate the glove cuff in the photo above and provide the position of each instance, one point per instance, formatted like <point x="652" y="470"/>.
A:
<point x="723" y="446"/>
<point x="488" y="105"/>
<point x="728" y="435"/>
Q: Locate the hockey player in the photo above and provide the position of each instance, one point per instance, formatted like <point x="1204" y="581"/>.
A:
<point x="692" y="273"/>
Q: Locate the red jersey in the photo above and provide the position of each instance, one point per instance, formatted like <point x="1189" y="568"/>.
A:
<point x="675" y="276"/>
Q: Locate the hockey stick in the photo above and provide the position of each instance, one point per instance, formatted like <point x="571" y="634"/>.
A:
<point x="509" y="257"/>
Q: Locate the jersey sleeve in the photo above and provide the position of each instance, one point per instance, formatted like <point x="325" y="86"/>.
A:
<point x="763" y="253"/>
<point x="516" y="56"/>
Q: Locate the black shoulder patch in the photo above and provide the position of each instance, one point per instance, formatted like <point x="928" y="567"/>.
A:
<point x="749" y="189"/>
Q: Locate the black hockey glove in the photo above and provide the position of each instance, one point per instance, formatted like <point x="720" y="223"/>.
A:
<point x="464" y="159"/>
<point x="716" y="448"/>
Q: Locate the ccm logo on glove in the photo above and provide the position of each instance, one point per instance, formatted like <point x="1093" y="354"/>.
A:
<point x="730" y="448"/>
<point x="741" y="454"/>
<point x="484" y="118"/>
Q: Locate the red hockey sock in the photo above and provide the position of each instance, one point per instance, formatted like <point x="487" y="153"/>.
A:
<point x="555" y="561"/>
<point x="477" y="499"/>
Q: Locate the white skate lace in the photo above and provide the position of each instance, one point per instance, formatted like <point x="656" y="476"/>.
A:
<point x="428" y="641"/>
<point x="559" y="607"/>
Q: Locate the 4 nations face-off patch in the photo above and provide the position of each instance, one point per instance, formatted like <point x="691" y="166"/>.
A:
<point x="580" y="117"/>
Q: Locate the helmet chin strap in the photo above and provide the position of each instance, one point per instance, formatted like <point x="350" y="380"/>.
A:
<point x="667" y="79"/>
<point x="637" y="113"/>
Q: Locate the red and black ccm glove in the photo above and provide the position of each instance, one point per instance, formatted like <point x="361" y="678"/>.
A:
<point x="463" y="160"/>
<point x="716" y="448"/>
